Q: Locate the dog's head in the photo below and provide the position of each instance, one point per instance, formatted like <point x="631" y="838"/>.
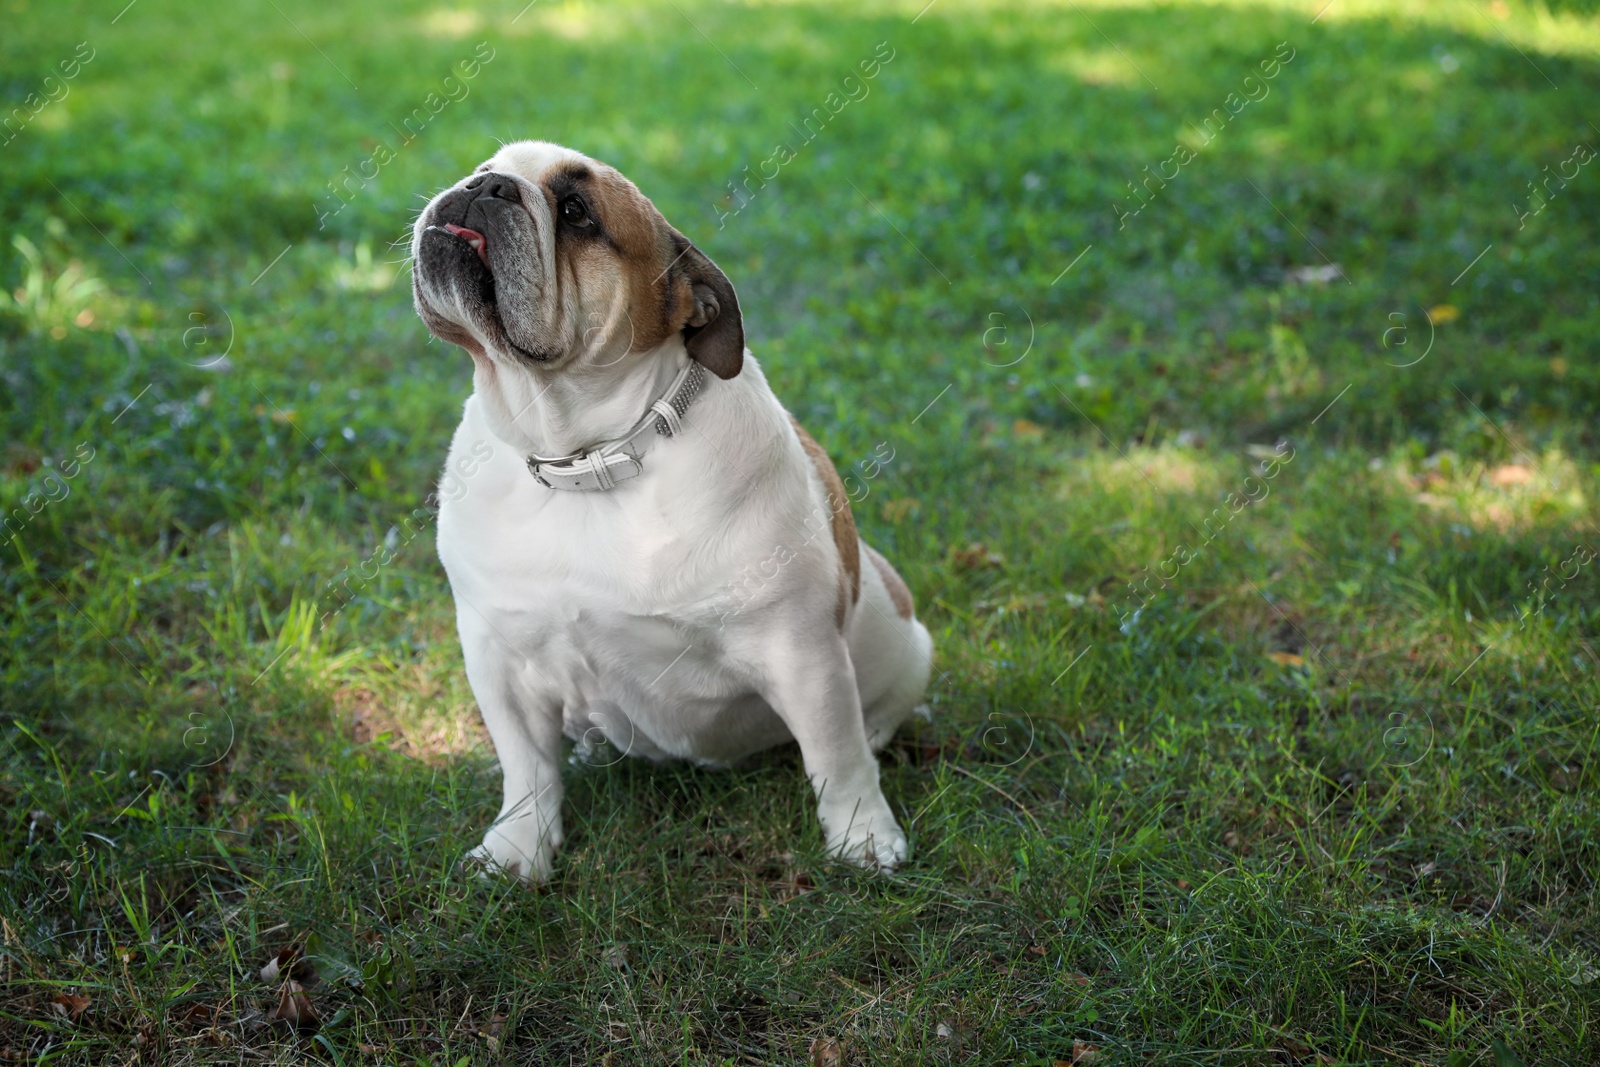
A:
<point x="543" y="257"/>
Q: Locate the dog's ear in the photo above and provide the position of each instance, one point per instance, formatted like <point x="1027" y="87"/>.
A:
<point x="714" y="331"/>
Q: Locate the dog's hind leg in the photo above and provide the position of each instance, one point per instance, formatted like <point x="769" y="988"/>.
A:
<point x="891" y="650"/>
<point x="889" y="711"/>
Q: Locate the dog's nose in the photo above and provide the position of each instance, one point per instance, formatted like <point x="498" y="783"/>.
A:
<point x="496" y="185"/>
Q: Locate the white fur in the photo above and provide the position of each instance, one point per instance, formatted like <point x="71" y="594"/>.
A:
<point x="688" y="613"/>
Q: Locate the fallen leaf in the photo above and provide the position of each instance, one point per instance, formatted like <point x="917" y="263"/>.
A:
<point x="200" y="1015"/>
<point x="69" y="1005"/>
<point x="975" y="555"/>
<point x="294" y="1009"/>
<point x="829" y="1052"/>
<point x="1442" y="313"/>
<point x="1083" y="1052"/>
<point x="20" y="459"/>
<point x="290" y="962"/>
<point x="1024" y="428"/>
<point x="493" y="1032"/>
<point x="1286" y="659"/>
<point x="1508" y="474"/>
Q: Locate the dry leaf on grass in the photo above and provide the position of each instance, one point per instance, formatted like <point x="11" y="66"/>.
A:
<point x="1082" y="1052"/>
<point x="1509" y="474"/>
<point x="199" y="1016"/>
<point x="69" y="1005"/>
<point x="1286" y="659"/>
<point x="830" y="1052"/>
<point x="975" y="555"/>
<point x="294" y="1009"/>
<point x="290" y="962"/>
<point x="493" y="1032"/>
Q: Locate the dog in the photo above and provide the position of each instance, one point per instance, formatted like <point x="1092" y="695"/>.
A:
<point x="643" y="546"/>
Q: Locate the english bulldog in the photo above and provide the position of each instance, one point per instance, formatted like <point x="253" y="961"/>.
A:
<point x="643" y="545"/>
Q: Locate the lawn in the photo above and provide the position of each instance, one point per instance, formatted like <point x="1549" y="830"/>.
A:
<point x="1236" y="364"/>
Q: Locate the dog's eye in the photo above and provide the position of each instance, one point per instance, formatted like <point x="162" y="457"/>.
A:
<point x="573" y="212"/>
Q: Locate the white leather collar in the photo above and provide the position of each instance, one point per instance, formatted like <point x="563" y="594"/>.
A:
<point x="610" y="462"/>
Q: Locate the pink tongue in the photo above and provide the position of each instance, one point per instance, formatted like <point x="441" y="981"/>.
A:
<point x="479" y="243"/>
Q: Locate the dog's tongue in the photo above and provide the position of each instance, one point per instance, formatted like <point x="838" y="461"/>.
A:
<point x="479" y="243"/>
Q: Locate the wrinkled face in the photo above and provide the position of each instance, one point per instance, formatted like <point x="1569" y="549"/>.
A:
<point x="545" y="258"/>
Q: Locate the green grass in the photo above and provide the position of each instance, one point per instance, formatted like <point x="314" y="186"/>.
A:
<point x="1284" y="814"/>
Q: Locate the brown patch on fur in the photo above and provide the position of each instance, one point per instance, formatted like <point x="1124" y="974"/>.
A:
<point x="644" y="248"/>
<point x="637" y="242"/>
<point x="899" y="593"/>
<point x="660" y="268"/>
<point x="844" y="523"/>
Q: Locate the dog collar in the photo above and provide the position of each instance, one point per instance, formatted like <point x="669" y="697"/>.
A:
<point x="610" y="462"/>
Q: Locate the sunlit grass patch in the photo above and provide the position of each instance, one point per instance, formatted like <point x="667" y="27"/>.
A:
<point x="1532" y="491"/>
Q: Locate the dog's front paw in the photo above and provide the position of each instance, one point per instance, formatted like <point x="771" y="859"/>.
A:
<point x="529" y="856"/>
<point x="875" y="842"/>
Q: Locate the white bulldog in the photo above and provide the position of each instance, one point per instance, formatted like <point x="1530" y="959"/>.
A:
<point x="637" y="547"/>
